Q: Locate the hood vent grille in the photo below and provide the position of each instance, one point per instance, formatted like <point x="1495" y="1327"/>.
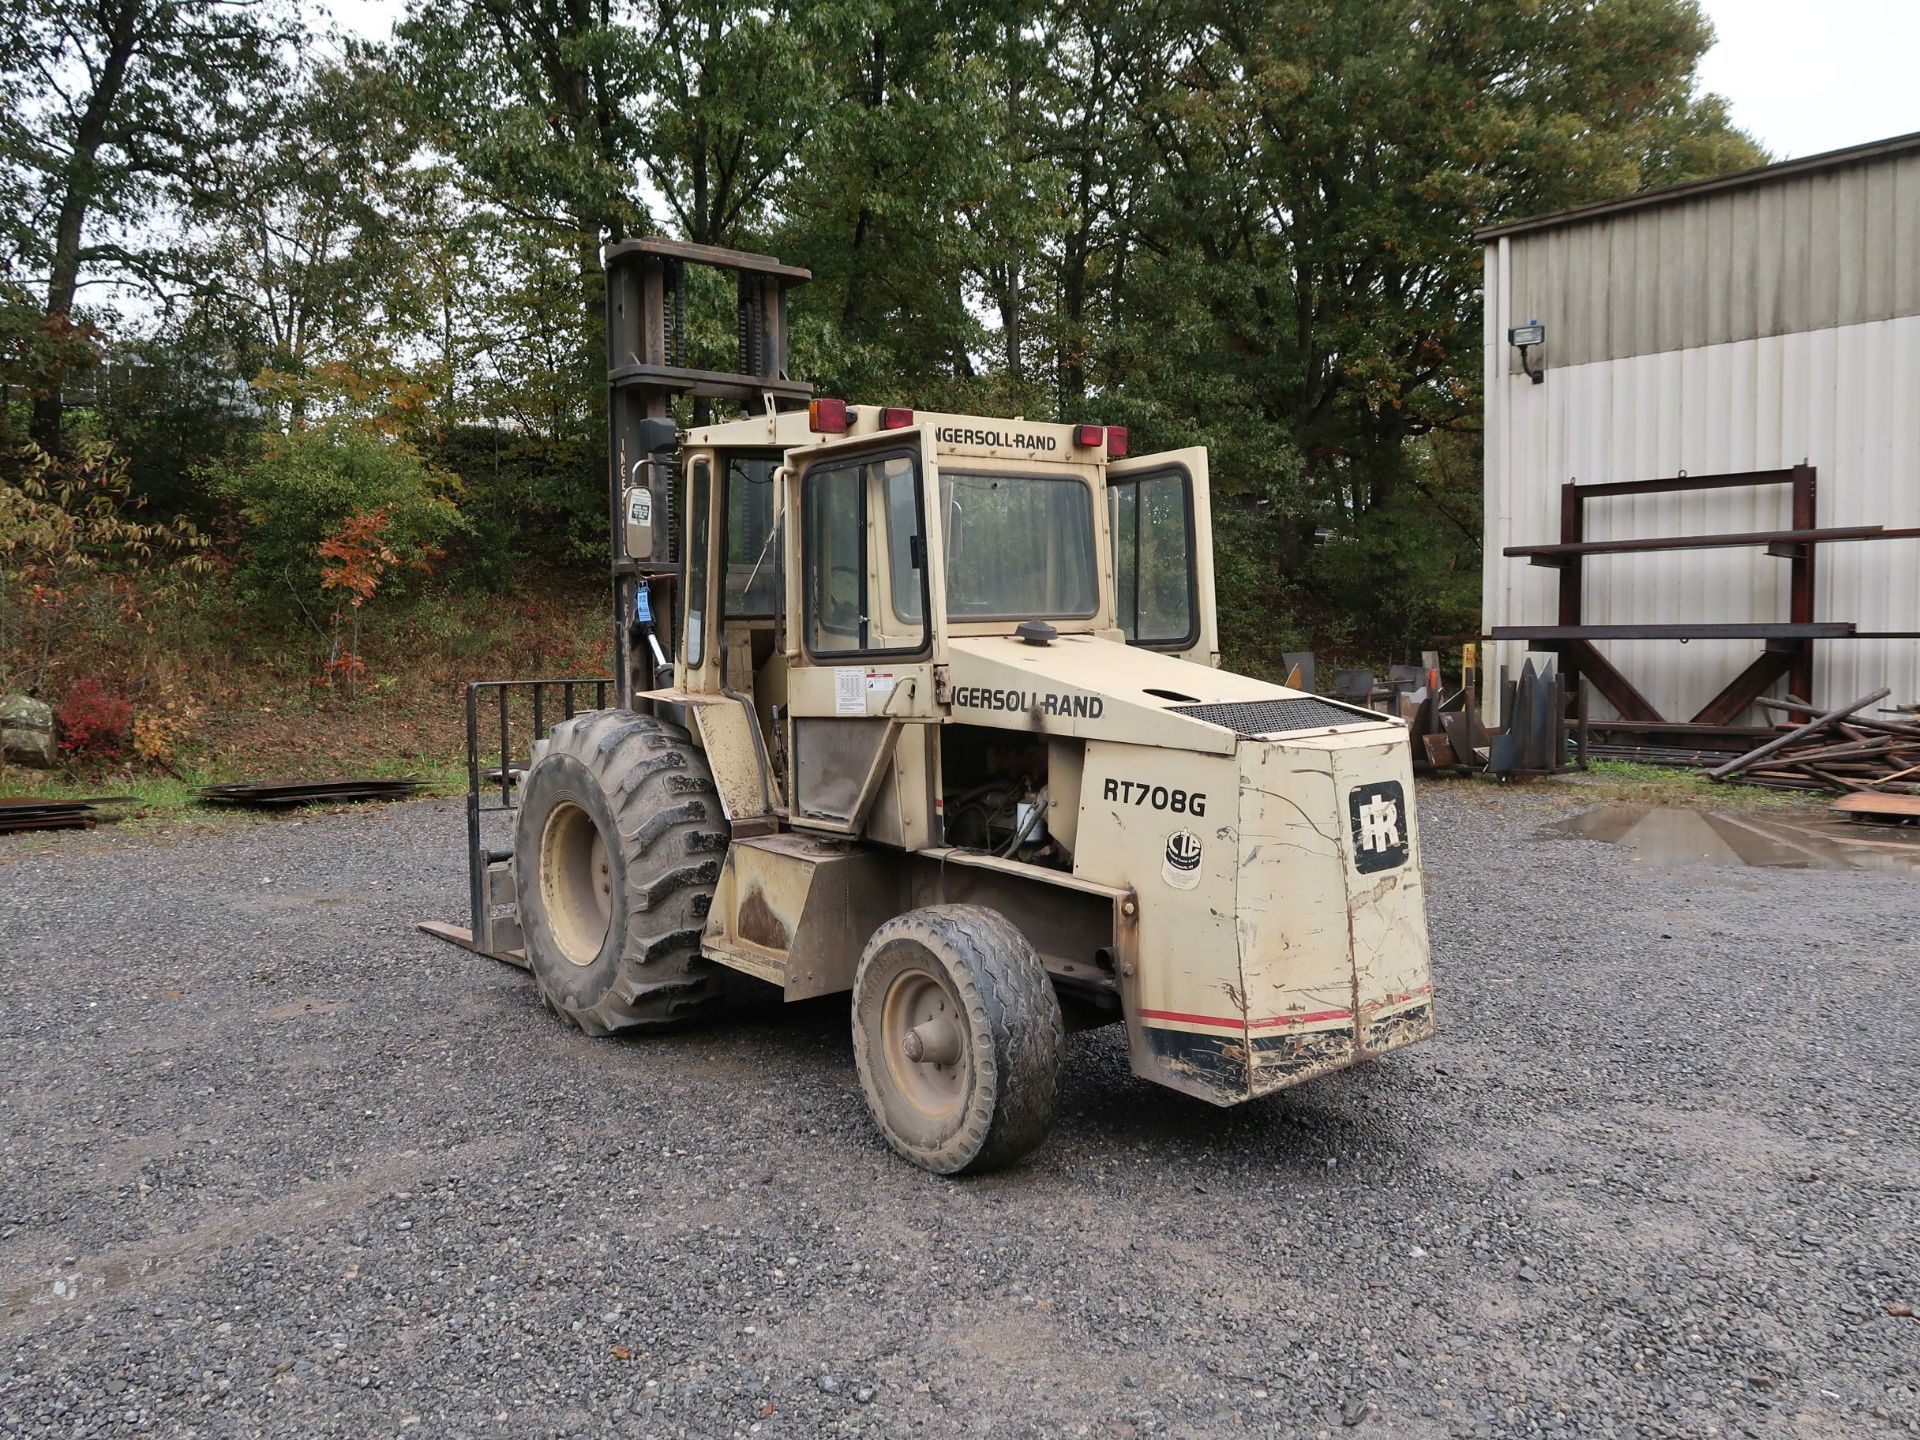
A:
<point x="1276" y="717"/>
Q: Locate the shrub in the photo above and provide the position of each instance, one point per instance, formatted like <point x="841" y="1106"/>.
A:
<point x="530" y="500"/>
<point x="79" y="567"/>
<point x="168" y="713"/>
<point x="302" y="490"/>
<point x="92" y="721"/>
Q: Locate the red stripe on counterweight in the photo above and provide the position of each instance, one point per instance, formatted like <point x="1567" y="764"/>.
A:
<point x="1230" y="1022"/>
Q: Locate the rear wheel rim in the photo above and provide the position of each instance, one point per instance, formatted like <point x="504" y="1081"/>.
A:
<point x="923" y="1042"/>
<point x="576" y="883"/>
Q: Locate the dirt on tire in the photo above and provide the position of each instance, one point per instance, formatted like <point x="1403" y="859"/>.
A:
<point x="650" y="797"/>
<point x="1014" y="1025"/>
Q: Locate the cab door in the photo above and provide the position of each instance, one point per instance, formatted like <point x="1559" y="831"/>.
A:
<point x="1161" y="527"/>
<point x="864" y="623"/>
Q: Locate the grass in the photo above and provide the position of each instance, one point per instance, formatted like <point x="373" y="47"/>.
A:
<point x="162" y="794"/>
<point x="384" y="737"/>
<point x="160" y="802"/>
<point x="257" y="713"/>
<point x="1625" y="782"/>
<point x="165" y="803"/>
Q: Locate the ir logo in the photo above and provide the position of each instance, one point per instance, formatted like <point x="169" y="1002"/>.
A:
<point x="1378" y="813"/>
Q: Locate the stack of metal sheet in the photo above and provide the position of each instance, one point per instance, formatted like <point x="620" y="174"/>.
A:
<point x="274" y="794"/>
<point x="36" y="813"/>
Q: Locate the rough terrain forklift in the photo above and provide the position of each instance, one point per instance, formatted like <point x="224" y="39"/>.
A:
<point x="925" y="709"/>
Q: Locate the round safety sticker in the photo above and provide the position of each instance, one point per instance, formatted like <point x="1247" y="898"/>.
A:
<point x="1181" y="868"/>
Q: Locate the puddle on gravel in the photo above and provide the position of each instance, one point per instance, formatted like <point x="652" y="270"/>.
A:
<point x="1666" y="836"/>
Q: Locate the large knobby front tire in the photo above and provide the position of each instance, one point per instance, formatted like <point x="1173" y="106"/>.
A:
<point x="618" y="840"/>
<point x="958" y="1039"/>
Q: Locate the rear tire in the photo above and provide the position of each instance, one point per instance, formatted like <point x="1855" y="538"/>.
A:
<point x="958" y="1039"/>
<point x="618" y="840"/>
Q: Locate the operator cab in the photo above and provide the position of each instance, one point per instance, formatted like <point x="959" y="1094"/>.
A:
<point x="910" y="533"/>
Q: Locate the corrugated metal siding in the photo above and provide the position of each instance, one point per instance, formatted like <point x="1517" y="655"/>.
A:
<point x="1804" y="252"/>
<point x="1847" y="400"/>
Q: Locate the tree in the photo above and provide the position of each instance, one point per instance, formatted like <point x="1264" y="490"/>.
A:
<point x="737" y="92"/>
<point x="319" y="238"/>
<point x="1327" y="162"/>
<point x="1274" y="250"/>
<point x="531" y="100"/>
<point x="76" y="561"/>
<point x="888" y="198"/>
<point x="108" y="109"/>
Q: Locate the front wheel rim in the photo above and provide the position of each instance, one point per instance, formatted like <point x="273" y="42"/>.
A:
<point x="576" y="883"/>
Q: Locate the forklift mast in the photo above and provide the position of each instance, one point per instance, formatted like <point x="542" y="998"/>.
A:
<point x="646" y="368"/>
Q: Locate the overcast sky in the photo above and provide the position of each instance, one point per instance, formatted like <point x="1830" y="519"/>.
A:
<point x="1802" y="75"/>
<point x="1805" y="76"/>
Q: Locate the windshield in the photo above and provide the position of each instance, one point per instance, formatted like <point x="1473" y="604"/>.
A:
<point x="1018" y="546"/>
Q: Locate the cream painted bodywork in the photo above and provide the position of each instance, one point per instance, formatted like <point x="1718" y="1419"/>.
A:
<point x="1267" y="959"/>
<point x="1088" y="667"/>
<point x="1283" y="961"/>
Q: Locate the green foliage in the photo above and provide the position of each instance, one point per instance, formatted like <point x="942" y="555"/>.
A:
<point x="1392" y="583"/>
<point x="172" y="406"/>
<point x="1239" y="223"/>
<point x="303" y="487"/>
<point x="78" y="564"/>
<point x="109" y="111"/>
<point x="1257" y="604"/>
<point x="528" y="500"/>
<point x="313" y="227"/>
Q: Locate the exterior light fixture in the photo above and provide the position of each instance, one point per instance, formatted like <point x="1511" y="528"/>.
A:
<point x="1526" y="337"/>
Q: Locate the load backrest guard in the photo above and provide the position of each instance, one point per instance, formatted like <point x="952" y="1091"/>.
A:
<point x="647" y="367"/>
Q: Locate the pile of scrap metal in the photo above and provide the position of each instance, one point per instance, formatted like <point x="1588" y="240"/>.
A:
<point x="1840" y="752"/>
<point x="35" y="813"/>
<point x="1448" y="733"/>
<point x="277" y="794"/>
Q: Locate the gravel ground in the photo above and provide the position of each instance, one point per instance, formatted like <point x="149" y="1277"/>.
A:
<point x="277" y="1164"/>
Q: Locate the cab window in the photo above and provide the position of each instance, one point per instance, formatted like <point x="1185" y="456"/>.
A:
<point x="863" y="555"/>
<point x="753" y="579"/>
<point x="699" y="501"/>
<point x="1151" y="517"/>
<point x="1018" y="546"/>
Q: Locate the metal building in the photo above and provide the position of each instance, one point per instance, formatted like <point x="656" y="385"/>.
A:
<point x="1751" y="323"/>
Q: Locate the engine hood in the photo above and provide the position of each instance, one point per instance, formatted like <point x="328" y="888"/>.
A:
<point x="1100" y="689"/>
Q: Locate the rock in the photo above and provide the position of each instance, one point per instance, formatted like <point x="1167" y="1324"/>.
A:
<point x="26" y="732"/>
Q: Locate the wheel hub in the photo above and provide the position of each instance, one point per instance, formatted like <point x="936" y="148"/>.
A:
<point x="937" y="1042"/>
